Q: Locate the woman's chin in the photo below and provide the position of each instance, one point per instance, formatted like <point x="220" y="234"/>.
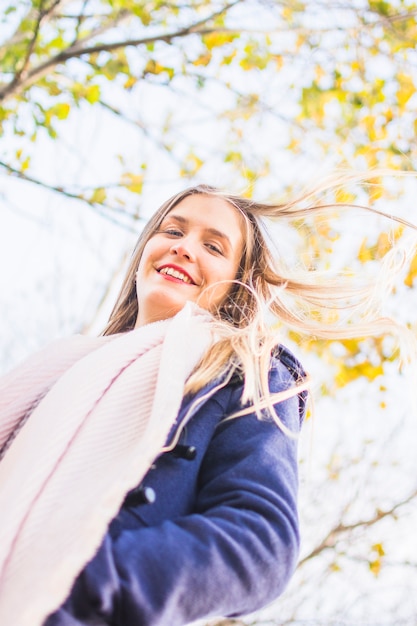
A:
<point x="161" y="310"/>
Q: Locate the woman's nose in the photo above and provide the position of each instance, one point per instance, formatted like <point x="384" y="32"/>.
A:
<point x="184" y="249"/>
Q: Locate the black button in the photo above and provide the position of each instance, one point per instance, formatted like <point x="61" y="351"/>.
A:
<point x="184" y="452"/>
<point x="140" y="495"/>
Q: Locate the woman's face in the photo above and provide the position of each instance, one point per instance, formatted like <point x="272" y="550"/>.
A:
<point x="198" y="245"/>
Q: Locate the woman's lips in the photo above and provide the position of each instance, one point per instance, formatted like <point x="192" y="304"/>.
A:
<point x="175" y="273"/>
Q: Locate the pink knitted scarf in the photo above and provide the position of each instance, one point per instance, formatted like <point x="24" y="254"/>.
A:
<point x="100" y="411"/>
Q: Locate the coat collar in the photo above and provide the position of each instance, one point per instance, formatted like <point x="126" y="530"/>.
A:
<point x="191" y="404"/>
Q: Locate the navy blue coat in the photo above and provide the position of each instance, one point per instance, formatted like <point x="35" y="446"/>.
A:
<point x="221" y="537"/>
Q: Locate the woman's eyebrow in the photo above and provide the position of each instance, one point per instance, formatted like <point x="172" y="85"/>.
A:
<point x="212" y="231"/>
<point x="218" y="233"/>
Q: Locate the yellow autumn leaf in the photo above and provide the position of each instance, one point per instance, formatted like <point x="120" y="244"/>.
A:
<point x="133" y="182"/>
<point x="294" y="145"/>
<point x="398" y="232"/>
<point x="368" y="122"/>
<point x="364" y="253"/>
<point x="389" y="115"/>
<point x="351" y="346"/>
<point x="191" y="165"/>
<point x="344" y="376"/>
<point x="25" y="164"/>
<point x="61" y="110"/>
<point x="228" y="58"/>
<point x="406" y="89"/>
<point x="92" y="94"/>
<point x="375" y="193"/>
<point x="98" y="196"/>
<point x="412" y="272"/>
<point x="203" y="59"/>
<point x="301" y="40"/>
<point x="130" y="82"/>
<point x="152" y="67"/>
<point x="279" y="61"/>
<point x="369" y="371"/>
<point x="375" y="566"/>
<point x="319" y="72"/>
<point x="383" y="245"/>
<point x="347" y="374"/>
<point x="215" y="40"/>
<point x="378" y="548"/>
<point x="327" y="232"/>
<point x="344" y="197"/>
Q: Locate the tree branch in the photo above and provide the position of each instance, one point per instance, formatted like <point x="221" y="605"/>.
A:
<point x="332" y="537"/>
<point x="39" y="18"/>
<point x="102" y="208"/>
<point x="81" y="17"/>
<point x="100" y="30"/>
<point x="18" y="36"/>
<point x="142" y="127"/>
<point x="77" y="50"/>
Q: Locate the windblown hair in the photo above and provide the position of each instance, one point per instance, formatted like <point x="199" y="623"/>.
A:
<point x="308" y="301"/>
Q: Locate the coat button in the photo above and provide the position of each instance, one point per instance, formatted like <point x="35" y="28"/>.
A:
<point x="184" y="452"/>
<point x="140" y="495"/>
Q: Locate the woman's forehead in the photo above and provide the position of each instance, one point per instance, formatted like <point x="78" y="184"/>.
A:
<point x="209" y="208"/>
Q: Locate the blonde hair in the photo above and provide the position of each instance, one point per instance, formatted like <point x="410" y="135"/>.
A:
<point x="307" y="301"/>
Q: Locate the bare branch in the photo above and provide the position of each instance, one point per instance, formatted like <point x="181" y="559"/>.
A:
<point x="334" y="534"/>
<point x="42" y="13"/>
<point x="18" y="36"/>
<point x="101" y="29"/>
<point x="143" y="128"/>
<point x="81" y="17"/>
<point x="102" y="208"/>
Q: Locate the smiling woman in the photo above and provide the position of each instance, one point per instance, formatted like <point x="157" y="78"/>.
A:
<point x="166" y="489"/>
<point x="189" y="258"/>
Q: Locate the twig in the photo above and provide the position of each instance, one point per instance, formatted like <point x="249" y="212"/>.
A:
<point x="333" y="535"/>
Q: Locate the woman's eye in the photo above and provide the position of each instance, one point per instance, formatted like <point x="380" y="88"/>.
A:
<point x="214" y="248"/>
<point x="172" y="231"/>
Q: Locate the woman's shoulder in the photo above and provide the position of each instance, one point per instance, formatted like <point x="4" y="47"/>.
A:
<point x="283" y="362"/>
<point x="282" y="355"/>
<point x="285" y="372"/>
